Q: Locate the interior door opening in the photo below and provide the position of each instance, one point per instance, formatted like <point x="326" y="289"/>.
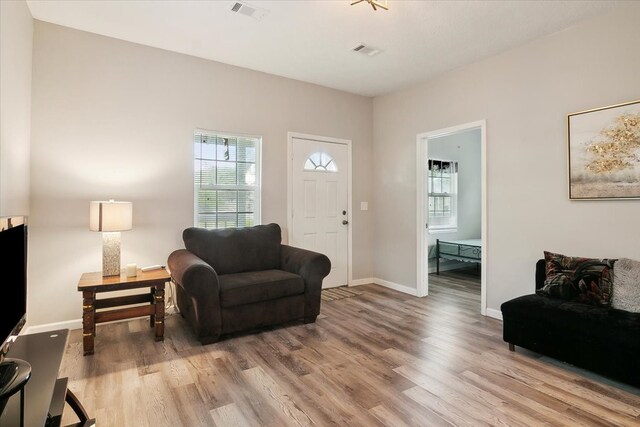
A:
<point x="452" y="211"/>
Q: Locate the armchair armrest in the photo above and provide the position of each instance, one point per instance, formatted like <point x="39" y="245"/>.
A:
<point x="193" y="274"/>
<point x="313" y="267"/>
<point x="198" y="293"/>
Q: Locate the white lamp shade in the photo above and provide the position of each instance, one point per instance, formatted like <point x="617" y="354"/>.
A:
<point x="110" y="216"/>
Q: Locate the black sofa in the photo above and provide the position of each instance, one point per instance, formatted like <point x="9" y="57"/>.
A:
<point x="601" y="339"/>
<point x="238" y="279"/>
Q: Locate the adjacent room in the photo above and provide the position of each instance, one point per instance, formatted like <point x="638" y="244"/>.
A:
<point x="453" y="197"/>
<point x="326" y="212"/>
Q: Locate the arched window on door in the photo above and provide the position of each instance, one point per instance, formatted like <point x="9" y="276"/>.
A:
<point x="320" y="162"/>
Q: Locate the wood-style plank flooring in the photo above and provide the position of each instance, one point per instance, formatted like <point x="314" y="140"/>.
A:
<point x="379" y="358"/>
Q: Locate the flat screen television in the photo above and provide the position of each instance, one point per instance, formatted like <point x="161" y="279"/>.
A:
<point x="13" y="309"/>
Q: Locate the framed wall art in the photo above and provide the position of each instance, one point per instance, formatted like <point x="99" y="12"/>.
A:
<point x="604" y="153"/>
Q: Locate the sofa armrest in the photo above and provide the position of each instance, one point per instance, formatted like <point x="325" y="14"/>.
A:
<point x="313" y="267"/>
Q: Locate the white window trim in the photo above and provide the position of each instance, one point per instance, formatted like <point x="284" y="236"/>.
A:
<point x="257" y="187"/>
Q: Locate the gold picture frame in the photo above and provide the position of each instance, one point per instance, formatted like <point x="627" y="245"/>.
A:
<point x="603" y="153"/>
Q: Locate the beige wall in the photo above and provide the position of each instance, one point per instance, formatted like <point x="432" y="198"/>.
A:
<point x="524" y="95"/>
<point x="16" y="41"/>
<point x="113" y="119"/>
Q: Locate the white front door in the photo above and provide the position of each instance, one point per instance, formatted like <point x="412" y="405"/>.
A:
<point x="319" y="203"/>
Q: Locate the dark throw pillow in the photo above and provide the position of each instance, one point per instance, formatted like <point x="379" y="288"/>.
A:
<point x="586" y="280"/>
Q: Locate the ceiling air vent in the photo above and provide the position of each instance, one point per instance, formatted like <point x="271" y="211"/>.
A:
<point x="366" y="50"/>
<point x="247" y="10"/>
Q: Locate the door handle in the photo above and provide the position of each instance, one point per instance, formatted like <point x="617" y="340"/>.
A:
<point x="345" y="222"/>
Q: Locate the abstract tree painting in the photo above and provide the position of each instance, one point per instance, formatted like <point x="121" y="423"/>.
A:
<point x="604" y="153"/>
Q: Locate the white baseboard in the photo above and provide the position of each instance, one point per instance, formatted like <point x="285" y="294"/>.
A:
<point x="396" y="286"/>
<point x="365" y="281"/>
<point x="48" y="327"/>
<point x="496" y="314"/>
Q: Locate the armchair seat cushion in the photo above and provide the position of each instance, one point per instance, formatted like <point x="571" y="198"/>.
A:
<point x="257" y="286"/>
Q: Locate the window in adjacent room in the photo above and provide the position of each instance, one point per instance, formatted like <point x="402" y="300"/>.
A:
<point x="443" y="195"/>
<point x="226" y="180"/>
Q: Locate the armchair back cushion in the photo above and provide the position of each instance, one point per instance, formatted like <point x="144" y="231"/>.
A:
<point x="236" y="250"/>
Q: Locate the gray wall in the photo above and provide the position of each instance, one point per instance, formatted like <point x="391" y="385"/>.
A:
<point x="113" y="119"/>
<point x="525" y="95"/>
<point x="16" y="41"/>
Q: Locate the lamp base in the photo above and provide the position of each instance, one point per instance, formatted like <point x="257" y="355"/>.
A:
<point x="111" y="253"/>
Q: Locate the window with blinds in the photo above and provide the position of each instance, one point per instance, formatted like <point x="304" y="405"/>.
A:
<point x="226" y="180"/>
<point x="443" y="195"/>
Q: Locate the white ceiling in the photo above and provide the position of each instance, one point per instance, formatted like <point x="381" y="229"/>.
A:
<point x="311" y="40"/>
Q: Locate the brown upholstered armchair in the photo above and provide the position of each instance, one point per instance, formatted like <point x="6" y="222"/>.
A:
<point x="238" y="279"/>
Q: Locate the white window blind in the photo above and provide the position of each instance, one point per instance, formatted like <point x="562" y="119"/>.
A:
<point x="443" y="194"/>
<point x="226" y="180"/>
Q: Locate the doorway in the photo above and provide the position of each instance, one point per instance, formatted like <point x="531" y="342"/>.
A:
<point x="319" y="208"/>
<point x="451" y="211"/>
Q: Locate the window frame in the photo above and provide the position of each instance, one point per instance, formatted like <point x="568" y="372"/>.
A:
<point x="257" y="187"/>
<point x="452" y="226"/>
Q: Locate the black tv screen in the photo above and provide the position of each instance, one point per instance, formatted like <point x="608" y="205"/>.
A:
<point x="13" y="287"/>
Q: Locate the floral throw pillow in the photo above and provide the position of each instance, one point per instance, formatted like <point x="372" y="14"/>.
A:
<point x="586" y="280"/>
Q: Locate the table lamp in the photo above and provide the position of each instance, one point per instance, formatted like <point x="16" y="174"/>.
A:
<point x="110" y="218"/>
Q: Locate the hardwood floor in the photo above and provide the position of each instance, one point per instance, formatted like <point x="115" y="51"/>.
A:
<point x="379" y="358"/>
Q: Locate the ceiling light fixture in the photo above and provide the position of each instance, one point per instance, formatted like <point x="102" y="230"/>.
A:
<point x="375" y="4"/>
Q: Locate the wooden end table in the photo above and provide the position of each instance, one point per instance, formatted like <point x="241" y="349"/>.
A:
<point x="92" y="283"/>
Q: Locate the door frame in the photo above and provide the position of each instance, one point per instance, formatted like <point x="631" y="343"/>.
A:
<point x="422" y="265"/>
<point x="330" y="140"/>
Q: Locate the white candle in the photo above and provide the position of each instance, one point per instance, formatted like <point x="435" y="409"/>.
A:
<point x="132" y="270"/>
